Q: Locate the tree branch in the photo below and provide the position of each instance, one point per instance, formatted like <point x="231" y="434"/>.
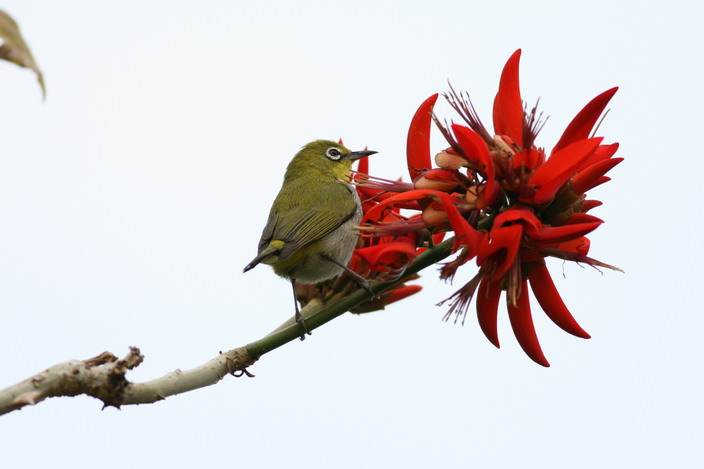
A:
<point x="103" y="377"/>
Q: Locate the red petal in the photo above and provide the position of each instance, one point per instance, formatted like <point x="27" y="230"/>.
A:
<point x="519" y="213"/>
<point x="487" y="308"/>
<point x="473" y="145"/>
<point x="508" y="107"/>
<point x="590" y="204"/>
<point x="581" y="126"/>
<point x="547" y="295"/>
<point x="559" y="168"/>
<point x="476" y="148"/>
<point x="604" y="152"/>
<point x="363" y="165"/>
<point x="523" y="329"/>
<point x="560" y="234"/>
<point x="508" y="238"/>
<point x="395" y="254"/>
<point x="600" y="181"/>
<point x="408" y="204"/>
<point x="376" y="213"/>
<point x="582" y="218"/>
<point x="438" y="237"/>
<point x="392" y="226"/>
<point x="438" y="179"/>
<point x="418" y="143"/>
<point x="366" y="193"/>
<point x="530" y="159"/>
<point x="578" y="246"/>
<point x="465" y="234"/>
<point x="586" y="179"/>
<point x="566" y="160"/>
<point x="403" y="292"/>
<point x="442" y="175"/>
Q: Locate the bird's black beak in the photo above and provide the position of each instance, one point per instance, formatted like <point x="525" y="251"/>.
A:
<point x="355" y="155"/>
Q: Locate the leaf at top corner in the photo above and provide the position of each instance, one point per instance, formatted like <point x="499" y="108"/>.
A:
<point x="14" y="49"/>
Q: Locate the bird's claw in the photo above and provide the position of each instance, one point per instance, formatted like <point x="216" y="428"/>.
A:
<point x="364" y="284"/>
<point x="242" y="372"/>
<point x="235" y="371"/>
<point x="302" y="322"/>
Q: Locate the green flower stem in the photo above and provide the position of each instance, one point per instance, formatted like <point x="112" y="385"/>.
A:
<point x="317" y="316"/>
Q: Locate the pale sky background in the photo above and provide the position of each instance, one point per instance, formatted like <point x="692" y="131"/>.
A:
<point x="131" y="199"/>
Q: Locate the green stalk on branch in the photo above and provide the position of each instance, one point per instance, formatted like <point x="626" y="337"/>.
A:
<point x="318" y="315"/>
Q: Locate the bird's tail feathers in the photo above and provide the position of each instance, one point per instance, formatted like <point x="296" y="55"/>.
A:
<point x="269" y="253"/>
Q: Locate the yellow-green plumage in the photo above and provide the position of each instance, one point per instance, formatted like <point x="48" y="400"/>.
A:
<point x="309" y="235"/>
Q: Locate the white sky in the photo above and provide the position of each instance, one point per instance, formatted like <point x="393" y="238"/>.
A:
<point x="131" y="199"/>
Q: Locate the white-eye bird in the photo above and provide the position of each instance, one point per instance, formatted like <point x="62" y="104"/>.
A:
<point x="310" y="236"/>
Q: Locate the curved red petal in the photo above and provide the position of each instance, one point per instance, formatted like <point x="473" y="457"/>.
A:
<point x="476" y="148"/>
<point x="583" y="123"/>
<point x="363" y="165"/>
<point x="395" y="253"/>
<point x="523" y="328"/>
<point x="579" y="246"/>
<point x="445" y="180"/>
<point x="590" y="204"/>
<point x="587" y="178"/>
<point x="508" y="238"/>
<point x="566" y="160"/>
<point x="600" y="181"/>
<point x="367" y="193"/>
<point x="559" y="168"/>
<point x="438" y="237"/>
<point x="465" y="234"/>
<point x="508" y="106"/>
<point x="376" y="212"/>
<point x="418" y="143"/>
<point x="519" y="213"/>
<point x="549" y="299"/>
<point x="528" y="158"/>
<point x="604" y="152"/>
<point x="445" y="175"/>
<point x="560" y="234"/>
<point x="579" y="217"/>
<point x="403" y="292"/>
<point x="487" y="309"/>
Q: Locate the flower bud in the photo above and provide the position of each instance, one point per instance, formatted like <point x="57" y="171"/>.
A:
<point x="503" y="144"/>
<point x="437" y="179"/>
<point x="433" y="214"/>
<point x="447" y="160"/>
<point x="473" y="194"/>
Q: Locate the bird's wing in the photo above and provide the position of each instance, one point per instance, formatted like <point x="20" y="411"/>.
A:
<point x="298" y="225"/>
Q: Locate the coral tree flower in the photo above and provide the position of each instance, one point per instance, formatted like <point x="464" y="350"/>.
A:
<point x="509" y="204"/>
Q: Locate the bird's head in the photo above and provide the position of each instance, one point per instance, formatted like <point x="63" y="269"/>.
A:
<point x="325" y="157"/>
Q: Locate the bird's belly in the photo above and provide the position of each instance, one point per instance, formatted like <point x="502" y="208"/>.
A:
<point x="338" y="245"/>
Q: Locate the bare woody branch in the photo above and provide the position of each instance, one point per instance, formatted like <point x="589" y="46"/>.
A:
<point x="103" y="377"/>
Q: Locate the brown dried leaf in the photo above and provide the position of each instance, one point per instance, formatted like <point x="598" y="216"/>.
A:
<point x="14" y="49"/>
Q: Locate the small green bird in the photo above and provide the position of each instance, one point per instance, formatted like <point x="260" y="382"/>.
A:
<point x="309" y="236"/>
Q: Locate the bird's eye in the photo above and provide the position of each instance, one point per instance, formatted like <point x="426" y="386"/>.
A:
<point x="333" y="153"/>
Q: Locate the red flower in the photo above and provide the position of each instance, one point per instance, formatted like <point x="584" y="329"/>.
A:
<point x="508" y="203"/>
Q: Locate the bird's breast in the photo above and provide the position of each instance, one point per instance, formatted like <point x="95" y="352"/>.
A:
<point x="339" y="245"/>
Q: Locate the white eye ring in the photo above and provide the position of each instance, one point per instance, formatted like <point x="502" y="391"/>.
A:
<point x="333" y="153"/>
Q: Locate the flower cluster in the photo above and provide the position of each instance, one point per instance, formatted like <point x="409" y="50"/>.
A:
<point x="509" y="204"/>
